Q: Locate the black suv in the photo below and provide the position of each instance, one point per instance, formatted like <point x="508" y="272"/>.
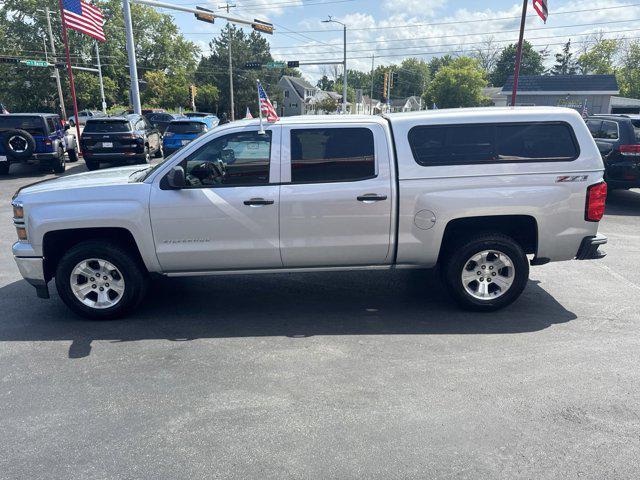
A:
<point x="126" y="139"/>
<point x="37" y="138"/>
<point x="618" y="139"/>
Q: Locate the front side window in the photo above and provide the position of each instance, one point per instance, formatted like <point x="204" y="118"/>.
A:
<point x="332" y="155"/>
<point x="236" y="159"/>
<point x="492" y="143"/>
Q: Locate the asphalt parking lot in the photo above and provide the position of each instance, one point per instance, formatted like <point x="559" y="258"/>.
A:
<point x="348" y="375"/>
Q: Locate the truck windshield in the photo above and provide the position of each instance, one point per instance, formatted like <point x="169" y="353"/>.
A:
<point x="186" y="127"/>
<point x="33" y="125"/>
<point x="107" y="126"/>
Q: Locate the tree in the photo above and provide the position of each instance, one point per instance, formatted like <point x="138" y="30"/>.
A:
<point x="629" y="73"/>
<point x="599" y="58"/>
<point x="327" y="104"/>
<point x="565" y="63"/>
<point x="413" y="78"/>
<point x="436" y="63"/>
<point x="459" y="84"/>
<point x="207" y="98"/>
<point x="325" y="84"/>
<point x="487" y="55"/>
<point x="532" y="63"/>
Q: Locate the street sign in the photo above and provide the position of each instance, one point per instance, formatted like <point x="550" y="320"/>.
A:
<point x="9" y="60"/>
<point x="293" y="63"/>
<point x="276" y="64"/>
<point x="35" y="63"/>
<point x="261" y="26"/>
<point x="253" y="65"/>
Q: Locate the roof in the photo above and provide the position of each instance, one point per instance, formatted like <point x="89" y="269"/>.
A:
<point x="299" y="84"/>
<point x="30" y="114"/>
<point x="624" y="102"/>
<point x="191" y="120"/>
<point x="564" y="84"/>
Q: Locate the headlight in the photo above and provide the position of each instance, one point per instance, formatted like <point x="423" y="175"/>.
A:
<point x="18" y="211"/>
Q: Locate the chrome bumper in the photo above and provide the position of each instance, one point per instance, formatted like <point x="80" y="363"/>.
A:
<point x="32" y="270"/>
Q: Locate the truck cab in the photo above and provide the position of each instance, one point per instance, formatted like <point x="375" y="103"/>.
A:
<point x="482" y="193"/>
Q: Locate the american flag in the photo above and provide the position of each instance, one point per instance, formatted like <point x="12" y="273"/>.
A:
<point x="266" y="108"/>
<point x="585" y="111"/>
<point x="84" y="17"/>
<point x="540" y="6"/>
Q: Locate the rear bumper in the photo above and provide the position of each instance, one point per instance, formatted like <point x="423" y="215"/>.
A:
<point x="589" y="247"/>
<point x="35" y="158"/>
<point x="114" y="156"/>
<point x="623" y="173"/>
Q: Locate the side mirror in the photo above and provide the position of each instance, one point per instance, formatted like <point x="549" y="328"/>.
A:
<point x="175" y="178"/>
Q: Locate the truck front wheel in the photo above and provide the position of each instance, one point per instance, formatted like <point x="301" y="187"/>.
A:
<point x="100" y="281"/>
<point x="487" y="272"/>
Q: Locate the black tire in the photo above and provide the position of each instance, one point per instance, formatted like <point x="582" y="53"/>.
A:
<point x="73" y="156"/>
<point x="18" y="143"/>
<point x="159" y="152"/>
<point x="4" y="168"/>
<point x="59" y="164"/>
<point x="458" y="260"/>
<point x="91" y="164"/>
<point x="133" y="273"/>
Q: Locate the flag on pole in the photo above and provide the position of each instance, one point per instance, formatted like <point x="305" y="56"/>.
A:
<point x="266" y="108"/>
<point x="3" y="109"/>
<point x="540" y="6"/>
<point x="248" y="115"/>
<point x="84" y="17"/>
<point x="585" y="112"/>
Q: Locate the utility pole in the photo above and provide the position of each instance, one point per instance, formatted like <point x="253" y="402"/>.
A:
<point x="56" y="73"/>
<point x="373" y="57"/>
<point x="131" y="51"/>
<point x="344" y="63"/>
<point x="104" y="102"/>
<point x="227" y="6"/>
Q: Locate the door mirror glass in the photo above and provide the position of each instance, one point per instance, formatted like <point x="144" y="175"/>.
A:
<point x="175" y="178"/>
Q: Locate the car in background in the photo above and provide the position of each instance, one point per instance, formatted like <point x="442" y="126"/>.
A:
<point x="126" y="139"/>
<point x="161" y="120"/>
<point x="85" y="115"/>
<point x="199" y="114"/>
<point x="182" y="131"/>
<point x="35" y="138"/>
<point x="618" y="139"/>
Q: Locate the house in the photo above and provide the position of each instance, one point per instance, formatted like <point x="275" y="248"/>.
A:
<point x="409" y="104"/>
<point x="297" y="91"/>
<point x="368" y="106"/>
<point x="565" y="91"/>
<point x="495" y="96"/>
<point x="313" y="103"/>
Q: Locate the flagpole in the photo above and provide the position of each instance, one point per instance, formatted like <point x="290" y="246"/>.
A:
<point x="71" y="82"/>
<point x="261" y="131"/>
<point x="516" y="72"/>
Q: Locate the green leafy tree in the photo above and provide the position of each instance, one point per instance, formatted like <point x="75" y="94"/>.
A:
<point x="436" y="63"/>
<point x="532" y="63"/>
<point x="325" y="84"/>
<point x="328" y="104"/>
<point x="628" y="74"/>
<point x="459" y="84"/>
<point x="565" y="63"/>
<point x="599" y="59"/>
<point x="207" y="98"/>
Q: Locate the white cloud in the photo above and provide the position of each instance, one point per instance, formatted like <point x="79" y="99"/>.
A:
<point x="425" y="8"/>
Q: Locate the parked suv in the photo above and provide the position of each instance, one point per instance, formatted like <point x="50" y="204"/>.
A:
<point x="162" y="120"/>
<point x="127" y="139"/>
<point x="618" y="139"/>
<point x="483" y="193"/>
<point x="181" y="132"/>
<point x="37" y="138"/>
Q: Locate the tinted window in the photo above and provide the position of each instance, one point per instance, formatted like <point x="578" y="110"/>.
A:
<point x="331" y="154"/>
<point x="236" y="159"/>
<point x="33" y="125"/>
<point x="107" y="126"/>
<point x="186" y="127"/>
<point x="594" y="126"/>
<point x="51" y="124"/>
<point x="470" y="144"/>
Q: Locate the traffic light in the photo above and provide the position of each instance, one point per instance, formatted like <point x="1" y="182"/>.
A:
<point x="293" y="64"/>
<point x="385" y="85"/>
<point x="192" y="94"/>
<point x="394" y="79"/>
<point x="253" y="65"/>
<point x="261" y="26"/>
<point x="205" y="17"/>
<point x="9" y="60"/>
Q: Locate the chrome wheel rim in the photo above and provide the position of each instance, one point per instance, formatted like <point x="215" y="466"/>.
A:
<point x="488" y="274"/>
<point x="97" y="283"/>
<point x="20" y="146"/>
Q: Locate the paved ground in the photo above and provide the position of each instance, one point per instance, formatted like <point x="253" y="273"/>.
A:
<point x="329" y="376"/>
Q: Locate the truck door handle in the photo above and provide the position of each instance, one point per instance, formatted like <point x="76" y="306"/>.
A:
<point x="371" y="197"/>
<point x="258" y="202"/>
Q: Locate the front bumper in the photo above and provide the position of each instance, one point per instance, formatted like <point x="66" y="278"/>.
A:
<point x="589" y="247"/>
<point x="32" y="270"/>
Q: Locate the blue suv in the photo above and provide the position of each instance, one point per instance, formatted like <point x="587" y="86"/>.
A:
<point x="182" y="131"/>
<point x="35" y="138"/>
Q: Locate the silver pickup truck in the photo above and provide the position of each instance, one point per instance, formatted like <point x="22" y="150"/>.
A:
<point x="481" y="193"/>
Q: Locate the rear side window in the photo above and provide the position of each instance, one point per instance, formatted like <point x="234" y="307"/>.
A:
<point x="107" y="126"/>
<point x="186" y="127"/>
<point x="332" y="155"/>
<point x="51" y="124"/>
<point x="492" y="143"/>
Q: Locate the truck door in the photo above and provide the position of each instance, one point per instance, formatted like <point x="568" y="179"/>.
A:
<point x="227" y="216"/>
<point x="336" y="195"/>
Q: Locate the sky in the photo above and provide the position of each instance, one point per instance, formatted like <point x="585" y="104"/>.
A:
<point x="392" y="30"/>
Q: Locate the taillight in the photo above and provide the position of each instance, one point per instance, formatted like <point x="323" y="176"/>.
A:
<point x="596" y="199"/>
<point x="629" y="149"/>
<point x="48" y="141"/>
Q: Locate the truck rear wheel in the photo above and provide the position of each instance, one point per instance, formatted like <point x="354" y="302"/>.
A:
<point x="487" y="272"/>
<point x="100" y="281"/>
